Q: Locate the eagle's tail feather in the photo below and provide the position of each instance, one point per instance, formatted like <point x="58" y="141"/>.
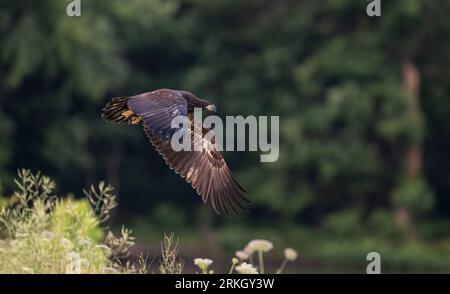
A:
<point x="117" y="111"/>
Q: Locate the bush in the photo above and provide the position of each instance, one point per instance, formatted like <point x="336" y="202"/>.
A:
<point x="47" y="234"/>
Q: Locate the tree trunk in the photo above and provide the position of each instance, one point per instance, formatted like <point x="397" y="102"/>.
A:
<point x="411" y="81"/>
<point x="413" y="157"/>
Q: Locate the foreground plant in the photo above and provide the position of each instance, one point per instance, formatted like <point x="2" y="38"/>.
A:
<point x="203" y="264"/>
<point x="243" y="263"/>
<point x="46" y="234"/>
<point x="246" y="268"/>
<point x="260" y="246"/>
<point x="234" y="261"/>
<point x="289" y="255"/>
<point x="242" y="255"/>
<point x="43" y="233"/>
<point x="170" y="263"/>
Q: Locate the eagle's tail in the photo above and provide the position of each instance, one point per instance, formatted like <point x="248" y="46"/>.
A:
<point x="117" y="111"/>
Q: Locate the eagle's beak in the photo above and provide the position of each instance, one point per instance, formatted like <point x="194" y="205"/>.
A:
<point x="211" y="108"/>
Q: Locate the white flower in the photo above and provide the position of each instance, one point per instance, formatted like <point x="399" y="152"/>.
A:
<point x="242" y="255"/>
<point x="246" y="268"/>
<point x="66" y="243"/>
<point x="290" y="254"/>
<point x="258" y="245"/>
<point x="203" y="263"/>
<point x="249" y="250"/>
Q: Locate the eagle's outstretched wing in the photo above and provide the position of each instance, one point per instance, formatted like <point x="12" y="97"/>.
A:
<point x="157" y="109"/>
<point x="205" y="170"/>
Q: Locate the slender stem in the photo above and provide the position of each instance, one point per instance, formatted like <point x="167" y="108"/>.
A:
<point x="232" y="268"/>
<point x="283" y="265"/>
<point x="261" y="262"/>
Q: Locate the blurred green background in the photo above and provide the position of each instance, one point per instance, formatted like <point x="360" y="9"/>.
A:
<point x="364" y="119"/>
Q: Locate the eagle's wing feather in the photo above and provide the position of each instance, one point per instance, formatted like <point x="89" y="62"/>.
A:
<point x="205" y="170"/>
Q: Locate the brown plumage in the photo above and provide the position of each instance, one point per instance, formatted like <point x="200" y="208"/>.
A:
<point x="205" y="170"/>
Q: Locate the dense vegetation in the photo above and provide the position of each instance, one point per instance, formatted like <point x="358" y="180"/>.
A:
<point x="44" y="233"/>
<point x="363" y="106"/>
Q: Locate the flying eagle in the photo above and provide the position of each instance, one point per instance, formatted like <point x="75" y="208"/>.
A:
<point x="205" y="170"/>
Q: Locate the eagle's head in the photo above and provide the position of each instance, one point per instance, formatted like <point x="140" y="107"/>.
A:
<point x="196" y="102"/>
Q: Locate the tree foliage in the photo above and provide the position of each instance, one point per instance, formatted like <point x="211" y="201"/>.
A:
<point x="332" y="74"/>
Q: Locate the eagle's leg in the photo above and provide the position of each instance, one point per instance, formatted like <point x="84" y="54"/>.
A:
<point x="127" y="113"/>
<point x="132" y="118"/>
<point x="135" y="120"/>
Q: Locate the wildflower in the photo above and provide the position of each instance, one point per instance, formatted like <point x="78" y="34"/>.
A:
<point x="249" y="250"/>
<point x="242" y="255"/>
<point x="246" y="268"/>
<point x="290" y="254"/>
<point x="258" y="245"/>
<point x="234" y="261"/>
<point x="203" y="264"/>
<point x="66" y="243"/>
